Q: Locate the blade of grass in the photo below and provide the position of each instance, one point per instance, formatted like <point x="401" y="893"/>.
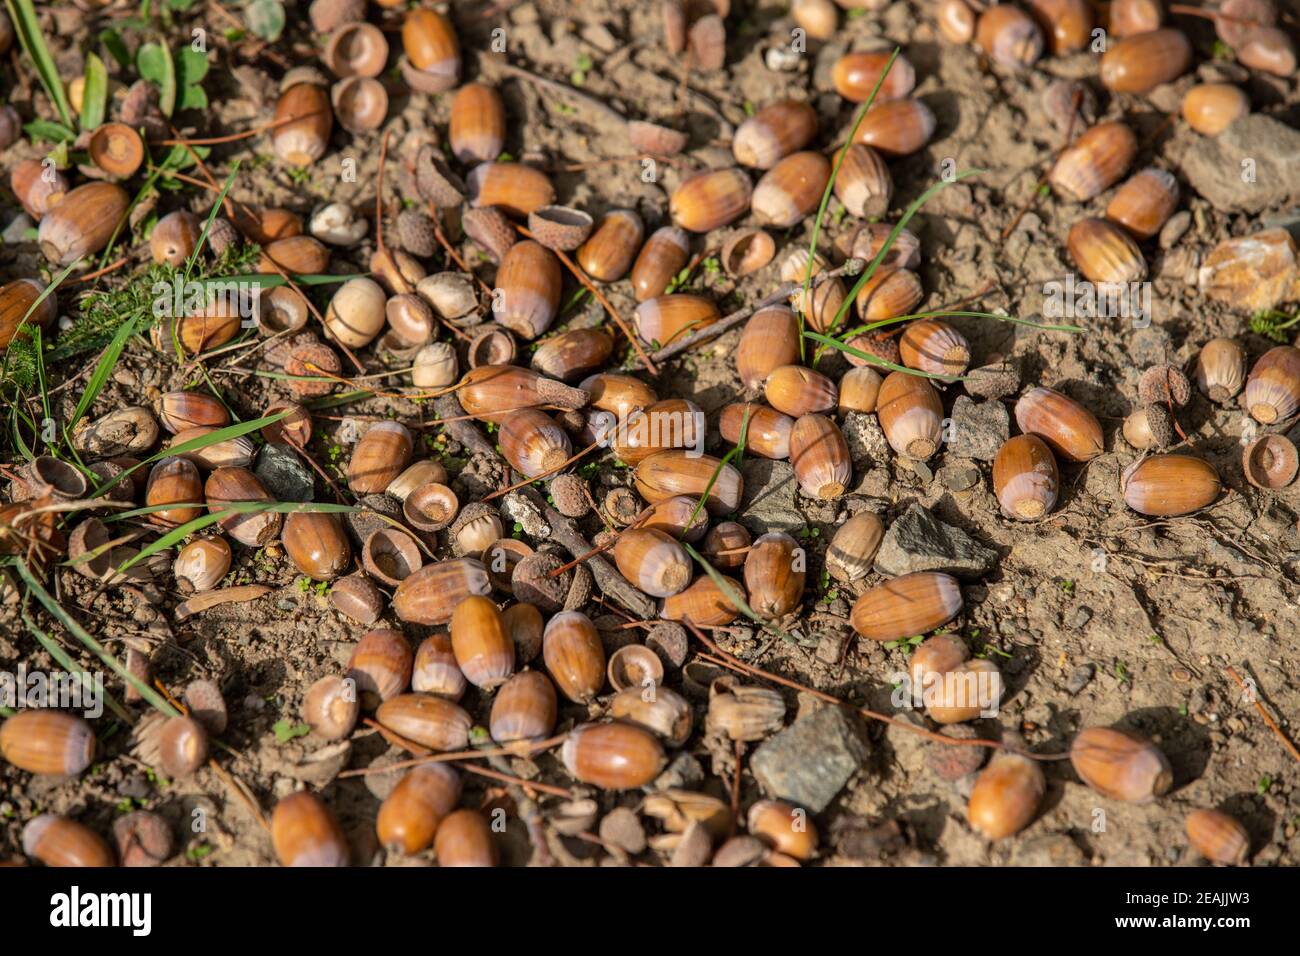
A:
<point x="828" y="342"/>
<point x="28" y="27"/>
<point x="830" y="186"/>
<point x="94" y="93"/>
<point x="99" y="378"/>
<point x="713" y="478"/>
<point x="62" y="658"/>
<point x="212" y="215"/>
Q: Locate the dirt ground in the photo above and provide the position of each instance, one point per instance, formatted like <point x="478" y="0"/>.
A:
<point x="1156" y="611"/>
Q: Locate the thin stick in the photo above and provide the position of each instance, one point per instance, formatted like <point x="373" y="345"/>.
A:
<point x="518" y="781"/>
<point x="235" y="137"/>
<point x="521" y="749"/>
<point x="91" y="276"/>
<point x="1268" y="719"/>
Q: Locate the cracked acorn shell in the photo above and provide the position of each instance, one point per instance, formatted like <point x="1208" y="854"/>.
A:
<point x="774" y="132"/>
<point x="667" y="714"/>
<point x="910" y="414"/>
<point x="1094" y="162"/>
<point x="515" y="188"/>
<point x="430" y="594"/>
<point x="1169" y="485"/>
<point x="1140" y="63"/>
<point x="1025" y="478"/>
<point x="710" y="200"/>
<point x="1120" y="765"/>
<point x="574" y="656"/>
<point x="82" y="223"/>
<point x="304" y="832"/>
<point x="907" y="605"/>
<point x="47" y="742"/>
<point x="1273" y="387"/>
<point x="820" y="457"/>
<point x="775" y="573"/>
<point x="1069" y="429"/>
<point x="613" y="756"/>
<point x="667" y="474"/>
<point x="1145" y="202"/>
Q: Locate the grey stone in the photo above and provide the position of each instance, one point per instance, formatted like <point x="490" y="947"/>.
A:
<point x="979" y="429"/>
<point x="283" y="474"/>
<point x="1175" y="229"/>
<point x="867" y="443"/>
<point x="957" y="476"/>
<point x="810" y="761"/>
<point x="1079" y="679"/>
<point x="918" y="541"/>
<point x="1213" y="165"/>
<point x="769" y="502"/>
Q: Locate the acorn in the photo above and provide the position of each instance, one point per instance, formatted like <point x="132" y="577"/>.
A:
<point x="1150" y="427"/>
<point x="1025" y="478"/>
<point x="297" y="255"/>
<point x="705" y="603"/>
<point x="897" y="128"/>
<point x="483" y="649"/>
<point x="818" y="18"/>
<point x="744" y="712"/>
<point x="17" y="299"/>
<point x="430" y="595"/>
<point x="47" y="742"/>
<point x="662" y="257"/>
<point x="608" y="254"/>
<point x="853" y="547"/>
<point x="412" y="813"/>
<point x="305" y="833"/>
<point x="574" y="655"/>
<point x="820" y="457"/>
<point x="769" y="341"/>
<point x="202" y="563"/>
<point x="528" y="284"/>
<point x="268" y="225"/>
<point x="433" y="722"/>
<point x="1120" y="765"/>
<point x="710" y="200"/>
<point x="1145" y="202"/>
<point x="57" y="841"/>
<point x="1218" y="837"/>
<point x="533" y="443"/>
<point x="464" y="838"/>
<point x="652" y="561"/>
<point x="791" y="189"/>
<point x="1273" y="388"/>
<point x="775" y="572"/>
<point x="1094" y="162"/>
<point x="1168" y="485"/>
<point x="182" y="746"/>
<point x="573" y="354"/>
<point x="613" y="756"/>
<point x="524" y="625"/>
<point x="1006" y="796"/>
<point x="904" y="252"/>
<point x="1067" y="24"/>
<point x="142" y="838"/>
<point x="678" y="518"/>
<point x="176" y="482"/>
<point x="859" y="390"/>
<point x="797" y="391"/>
<point x="514" y="188"/>
<point x="670" y="473"/>
<point x="1220" y="369"/>
<point x="281" y="310"/>
<point x="382" y="454"/>
<point x="1210" y="108"/>
<point x="667" y="318"/>
<point x="1267" y="49"/>
<point x="475" y="528"/>
<point x="180" y="410"/>
<point x="1270" y="461"/>
<point x="910" y="414"/>
<point x="331" y="707"/>
<point x="117" y="149"/>
<point x="82" y="223"/>
<point x="1068" y="428"/>
<point x="432" y="50"/>
<point x="863" y="184"/>
<point x="39" y="188"/>
<point x="889" y="293"/>
<point x="356" y="313"/>
<point x="930" y="345"/>
<point x="316" y="544"/>
<point x="956" y="21"/>
<point x="726" y="545"/>
<point x="410" y="320"/>
<point x="855" y="75"/>
<point x="1140" y="63"/>
<point x="1128" y="17"/>
<point x="907" y="605"/>
<point x="496" y="393"/>
<point x="174" y="237"/>
<point x="303" y="119"/>
<point x="767" y="431"/>
<point x="783" y="826"/>
<point x="1010" y="36"/>
<point x="380" y="666"/>
<point x="620" y="394"/>
<point x="227" y="485"/>
<point x="774" y="132"/>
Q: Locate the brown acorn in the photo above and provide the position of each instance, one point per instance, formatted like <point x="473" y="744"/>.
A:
<point x="1067" y="24"/>
<point x="1140" y="63"/>
<point x="464" y="838"/>
<point x="853" y="547"/>
<point x="528" y="284"/>
<point x="38" y="187"/>
<point x="17" y="299"/>
<point x="726" y="545"/>
<point x="652" y="561"/>
<point x="705" y="603"/>
<point x="412" y="813"/>
<point x="430" y="595"/>
<point x="478" y="124"/>
<point x="1025" y="478"/>
<point x="380" y="666"/>
<point x="1218" y="837"/>
<point x="1168" y="485"/>
<point x="667" y="318"/>
<point x="930" y="345"/>
<point x="182" y="746"/>
<point x="175" y="482"/>
<point x="1006" y="796"/>
<point x="910" y="414"/>
<point x="769" y="340"/>
<point x="897" y="128"/>
<point x="820" y="457"/>
<point x="227" y="485"/>
<point x="613" y="756"/>
<point x="889" y="293"/>
<point x="1120" y="765"/>
<point x="791" y="189"/>
<point x="516" y="189"/>
<point x="608" y="254"/>
<point x="533" y="443"/>
<point x="1273" y="387"/>
<point x="1145" y="202"/>
<point x="433" y="722"/>
<point x="670" y="473"/>
<point x="956" y="21"/>
<point x="797" y="391"/>
<point x="775" y="572"/>
<point x="662" y="257"/>
<point x="906" y="606"/>
<point x="573" y="354"/>
<point x="525" y="708"/>
<point x="47" y="742"/>
<point x="1069" y="429"/>
<point x="1210" y="108"/>
<point x="1221" y="369"/>
<point x="1094" y="161"/>
<point x="305" y="832"/>
<point x="174" y="237"/>
<point x="316" y="544"/>
<point x="856" y="74"/>
<point x="767" y="431"/>
<point x="58" y="841"/>
<point x="495" y="393"/>
<point x="773" y="133"/>
<point x="1009" y="36"/>
<point x="863" y="184"/>
<point x="82" y="223"/>
<point x="710" y="200"/>
<point x="303" y="118"/>
<point x="483" y="649"/>
<point x="297" y="255"/>
<point x="574" y="655"/>
<point x="330" y="707"/>
<point x="432" y="50"/>
<point x="382" y="454"/>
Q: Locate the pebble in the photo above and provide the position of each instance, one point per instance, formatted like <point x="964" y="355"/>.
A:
<point x="1175" y="229"/>
<point x="1213" y="165"/>
<point x="979" y="429"/>
<point x="283" y="474"/>
<point x="918" y="541"/>
<point x="1080" y="677"/>
<point x="810" y="761"/>
<point x="831" y="646"/>
<point x="867" y="443"/>
<point x="1082" y="615"/>
<point x="770" y="497"/>
<point x="956" y="476"/>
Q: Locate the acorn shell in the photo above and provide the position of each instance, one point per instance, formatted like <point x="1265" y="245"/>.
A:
<point x="775" y="573"/>
<point x="1120" y="765"/>
<point x="477" y="131"/>
<point x="662" y="257"/>
<point x="910" y="414"/>
<point x="1025" y="478"/>
<point x="613" y="756"/>
<point x="430" y="595"/>
<point x="1273" y="387"/>
<point x="528" y="285"/>
<point x="897" y="128"/>
<point x="305" y="832"/>
<point x="670" y="473"/>
<point x="907" y="605"/>
<point x="483" y="649"/>
<point x="1094" y="162"/>
<point x="1069" y="429"/>
<point x="1140" y="63"/>
<point x="774" y="132"/>
<point x="710" y="200"/>
<point x="1270" y="461"/>
<point x="525" y="708"/>
<point x="82" y="224"/>
<point x="1218" y="837"/>
<point x="769" y="340"/>
<point x="47" y="742"/>
<point x="1169" y="485"/>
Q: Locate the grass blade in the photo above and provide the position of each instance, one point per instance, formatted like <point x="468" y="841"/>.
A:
<point x="729" y="589"/>
<point x="713" y="478"/>
<point x="28" y="28"/>
<point x="94" y="95"/>
<point x="70" y="666"/>
<point x="212" y="215"/>
<point x="828" y="342"/>
<point x="107" y="362"/>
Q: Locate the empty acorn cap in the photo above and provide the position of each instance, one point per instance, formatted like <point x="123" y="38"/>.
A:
<point x="747" y="252"/>
<point x="1270" y="461"/>
<point x="435" y="181"/>
<point x="560" y="227"/>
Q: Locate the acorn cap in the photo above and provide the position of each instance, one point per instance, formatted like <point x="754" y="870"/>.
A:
<point x="560" y="227"/>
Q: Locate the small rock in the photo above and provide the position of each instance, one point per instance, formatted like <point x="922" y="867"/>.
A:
<point x="1082" y="615"/>
<point x="810" y="761"/>
<point x="1079" y="679"/>
<point x="1175" y="229"/>
<point x="622" y="828"/>
<point x="954" y="762"/>
<point x="283" y="474"/>
<point x="770" y="497"/>
<point x="685" y="773"/>
<point x="959" y="476"/>
<point x="1215" y="166"/>
<point x="918" y="541"/>
<point x="830" y="649"/>
<point x="522" y="511"/>
<point x="17" y="229"/>
<point x="1252" y="272"/>
<point x="867" y="443"/>
<point x="1149" y="346"/>
<point x="979" y="429"/>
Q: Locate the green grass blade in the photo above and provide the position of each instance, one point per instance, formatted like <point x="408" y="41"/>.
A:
<point x="99" y="378"/>
<point x="828" y="342"/>
<point x="70" y="666"/>
<point x="713" y="478"/>
<point x="212" y="215"/>
<point x="28" y="27"/>
<point x="94" y="95"/>
<point x="729" y="589"/>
